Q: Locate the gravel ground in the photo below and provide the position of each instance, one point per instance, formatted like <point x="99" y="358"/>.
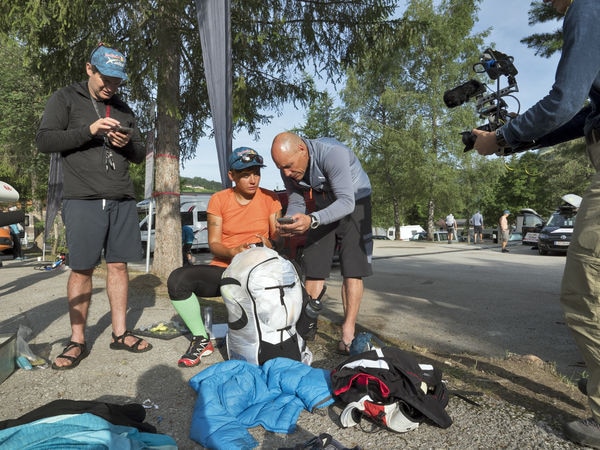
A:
<point x="37" y="300"/>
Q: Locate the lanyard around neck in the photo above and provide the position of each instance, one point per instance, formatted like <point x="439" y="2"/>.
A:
<point x="95" y="105"/>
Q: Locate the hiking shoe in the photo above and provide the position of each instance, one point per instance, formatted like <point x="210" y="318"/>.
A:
<point x="504" y="250"/>
<point x="199" y="347"/>
<point x="582" y="385"/>
<point x="584" y="431"/>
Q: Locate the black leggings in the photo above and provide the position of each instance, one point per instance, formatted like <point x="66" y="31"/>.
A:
<point x="202" y="280"/>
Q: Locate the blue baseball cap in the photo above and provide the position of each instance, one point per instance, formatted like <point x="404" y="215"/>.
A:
<point x="109" y="62"/>
<point x="243" y="157"/>
<point x="506" y="211"/>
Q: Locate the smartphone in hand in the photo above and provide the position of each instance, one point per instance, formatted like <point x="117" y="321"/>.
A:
<point x="124" y="130"/>
<point x="285" y="220"/>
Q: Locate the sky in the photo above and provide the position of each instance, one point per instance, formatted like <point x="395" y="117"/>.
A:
<point x="508" y="22"/>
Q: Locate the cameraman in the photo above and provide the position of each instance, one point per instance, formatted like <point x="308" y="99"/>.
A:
<point x="577" y="78"/>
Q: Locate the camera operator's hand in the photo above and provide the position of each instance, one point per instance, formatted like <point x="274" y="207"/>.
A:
<point x="485" y="143"/>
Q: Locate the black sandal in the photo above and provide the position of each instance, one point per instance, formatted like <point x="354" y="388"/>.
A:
<point x="119" y="343"/>
<point x="343" y="348"/>
<point x="75" y="360"/>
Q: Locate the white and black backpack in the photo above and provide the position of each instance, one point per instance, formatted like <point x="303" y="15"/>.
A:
<point x="264" y="298"/>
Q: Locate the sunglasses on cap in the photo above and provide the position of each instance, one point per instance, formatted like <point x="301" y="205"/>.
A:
<point x="249" y="157"/>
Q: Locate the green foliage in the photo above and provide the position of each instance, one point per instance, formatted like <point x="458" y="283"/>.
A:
<point x="539" y="179"/>
<point x="395" y="69"/>
<point x="544" y="44"/>
<point x="320" y="118"/>
<point x="137" y="172"/>
<point x="274" y="45"/>
<point x="199" y="184"/>
<point x="20" y="109"/>
<point x="568" y="169"/>
<point x="395" y="119"/>
<point x="517" y="188"/>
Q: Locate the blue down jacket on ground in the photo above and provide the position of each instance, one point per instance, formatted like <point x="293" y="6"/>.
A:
<point x="236" y="395"/>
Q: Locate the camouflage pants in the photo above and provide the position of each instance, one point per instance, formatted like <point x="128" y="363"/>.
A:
<point x="580" y="291"/>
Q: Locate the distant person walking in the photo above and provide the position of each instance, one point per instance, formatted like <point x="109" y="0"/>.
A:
<point x="450" y="227"/>
<point x="477" y="221"/>
<point x="503" y="230"/>
<point x="15" y="234"/>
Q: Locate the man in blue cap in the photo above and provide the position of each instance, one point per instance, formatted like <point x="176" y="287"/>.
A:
<point x="94" y="133"/>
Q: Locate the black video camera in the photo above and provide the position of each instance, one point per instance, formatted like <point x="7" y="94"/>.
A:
<point x="490" y="106"/>
<point x="496" y="64"/>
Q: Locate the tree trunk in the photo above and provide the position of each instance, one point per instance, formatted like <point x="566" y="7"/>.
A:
<point x="397" y="224"/>
<point x="37" y="210"/>
<point x="167" y="250"/>
<point x="430" y="219"/>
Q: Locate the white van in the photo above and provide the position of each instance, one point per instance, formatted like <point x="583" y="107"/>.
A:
<point x="193" y="212"/>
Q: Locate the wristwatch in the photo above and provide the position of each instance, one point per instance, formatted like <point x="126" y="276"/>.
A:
<point x="314" y="222"/>
<point x="500" y="141"/>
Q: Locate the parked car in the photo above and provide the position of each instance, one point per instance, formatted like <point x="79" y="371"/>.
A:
<point x="193" y="212"/>
<point x="530" y="223"/>
<point x="555" y="235"/>
<point x="513" y="236"/>
<point x="381" y="237"/>
<point x="437" y="236"/>
<point x="6" y="242"/>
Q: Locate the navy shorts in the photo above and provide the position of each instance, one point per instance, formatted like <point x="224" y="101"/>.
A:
<point x="352" y="235"/>
<point x="94" y="226"/>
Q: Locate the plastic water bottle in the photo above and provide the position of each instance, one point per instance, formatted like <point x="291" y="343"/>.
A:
<point x="207" y="318"/>
<point x="307" y="323"/>
<point x="313" y="308"/>
<point x="306" y="326"/>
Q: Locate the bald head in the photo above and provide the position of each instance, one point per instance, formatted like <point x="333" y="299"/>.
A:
<point x="290" y="154"/>
<point x="285" y="143"/>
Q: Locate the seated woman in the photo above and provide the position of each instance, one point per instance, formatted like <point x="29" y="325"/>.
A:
<point x="238" y="217"/>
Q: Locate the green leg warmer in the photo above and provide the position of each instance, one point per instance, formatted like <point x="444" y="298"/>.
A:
<point x="189" y="310"/>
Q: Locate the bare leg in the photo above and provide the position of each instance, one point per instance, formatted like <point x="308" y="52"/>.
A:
<point x="117" y="285"/>
<point x="314" y="287"/>
<point x="352" y="292"/>
<point x="79" y="293"/>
